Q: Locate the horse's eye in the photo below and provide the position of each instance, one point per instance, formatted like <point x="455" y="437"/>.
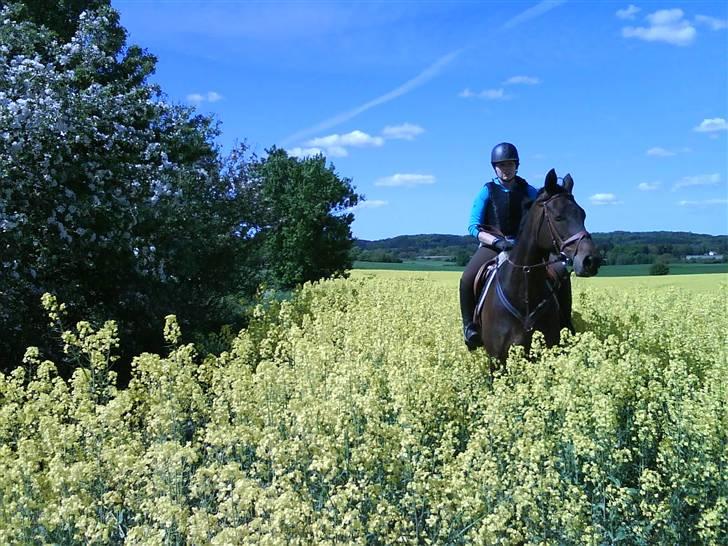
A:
<point x="559" y="218"/>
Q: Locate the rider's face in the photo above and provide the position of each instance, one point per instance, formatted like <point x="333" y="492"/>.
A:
<point x="505" y="170"/>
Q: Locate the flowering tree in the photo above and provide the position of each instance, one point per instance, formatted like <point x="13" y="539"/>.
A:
<point x="110" y="197"/>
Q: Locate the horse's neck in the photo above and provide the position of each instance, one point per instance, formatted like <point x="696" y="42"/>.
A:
<point x="527" y="253"/>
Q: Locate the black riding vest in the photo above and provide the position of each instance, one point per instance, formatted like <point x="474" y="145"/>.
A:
<point x="504" y="208"/>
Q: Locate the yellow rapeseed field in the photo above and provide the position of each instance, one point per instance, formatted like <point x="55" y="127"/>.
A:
<point x="353" y="414"/>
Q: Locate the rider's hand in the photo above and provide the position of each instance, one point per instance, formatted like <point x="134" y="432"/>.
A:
<point x="502" y="245"/>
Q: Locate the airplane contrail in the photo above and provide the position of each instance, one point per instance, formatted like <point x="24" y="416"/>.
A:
<point x="532" y="12"/>
<point x="426" y="75"/>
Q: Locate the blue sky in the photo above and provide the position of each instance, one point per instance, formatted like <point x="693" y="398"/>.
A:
<point x="408" y="98"/>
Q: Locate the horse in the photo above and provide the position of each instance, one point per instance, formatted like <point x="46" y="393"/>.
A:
<point x="522" y="301"/>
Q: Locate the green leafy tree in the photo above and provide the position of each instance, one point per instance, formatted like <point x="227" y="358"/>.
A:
<point x="305" y="218"/>
<point x="659" y="268"/>
<point x="462" y="258"/>
<point x="111" y="198"/>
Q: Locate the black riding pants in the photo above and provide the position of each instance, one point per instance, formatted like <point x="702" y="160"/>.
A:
<point x="467" y="297"/>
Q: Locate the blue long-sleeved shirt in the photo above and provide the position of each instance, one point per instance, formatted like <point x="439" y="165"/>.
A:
<point x="477" y="212"/>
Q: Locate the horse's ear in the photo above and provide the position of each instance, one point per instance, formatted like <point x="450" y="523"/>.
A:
<point x="552" y="183"/>
<point x="568" y="183"/>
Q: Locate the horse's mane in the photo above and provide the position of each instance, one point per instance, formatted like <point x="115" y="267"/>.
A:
<point x="528" y="205"/>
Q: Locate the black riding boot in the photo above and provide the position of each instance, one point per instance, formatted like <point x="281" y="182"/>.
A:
<point x="472" y="336"/>
<point x="471" y="333"/>
<point x="467" y="298"/>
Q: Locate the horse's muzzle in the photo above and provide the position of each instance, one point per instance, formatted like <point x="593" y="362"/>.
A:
<point x="586" y="264"/>
<point x="586" y="261"/>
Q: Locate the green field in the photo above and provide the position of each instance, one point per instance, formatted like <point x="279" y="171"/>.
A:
<point x="706" y="283"/>
<point x="640" y="270"/>
<point x="410" y="265"/>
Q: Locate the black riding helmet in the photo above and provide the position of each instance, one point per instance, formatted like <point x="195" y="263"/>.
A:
<point x="505" y="151"/>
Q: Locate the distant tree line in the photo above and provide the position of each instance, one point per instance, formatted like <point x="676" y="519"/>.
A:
<point x="382" y="256"/>
<point x="623" y="247"/>
<point x="616" y="248"/>
<point x="410" y="247"/>
<point x="119" y="202"/>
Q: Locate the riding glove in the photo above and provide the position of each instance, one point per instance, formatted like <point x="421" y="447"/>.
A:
<point x="502" y="245"/>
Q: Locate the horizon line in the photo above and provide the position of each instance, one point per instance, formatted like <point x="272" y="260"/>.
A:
<point x="592" y="232"/>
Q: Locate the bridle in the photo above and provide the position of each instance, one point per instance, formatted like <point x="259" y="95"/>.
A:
<point x="559" y="244"/>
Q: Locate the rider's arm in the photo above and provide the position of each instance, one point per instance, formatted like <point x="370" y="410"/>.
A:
<point x="477" y="214"/>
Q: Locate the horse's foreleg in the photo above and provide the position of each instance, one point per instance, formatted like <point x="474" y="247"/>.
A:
<point x="564" y="297"/>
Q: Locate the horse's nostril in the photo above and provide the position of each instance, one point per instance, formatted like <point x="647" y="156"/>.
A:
<point x="591" y="263"/>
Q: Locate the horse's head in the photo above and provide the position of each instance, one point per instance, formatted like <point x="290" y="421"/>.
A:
<point x="561" y="228"/>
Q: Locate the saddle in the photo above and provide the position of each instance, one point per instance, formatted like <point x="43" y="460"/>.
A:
<point x="484" y="278"/>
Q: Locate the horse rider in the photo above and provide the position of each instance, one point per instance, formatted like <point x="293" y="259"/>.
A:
<point x="498" y="207"/>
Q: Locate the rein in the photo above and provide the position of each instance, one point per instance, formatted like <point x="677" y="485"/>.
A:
<point x="528" y="321"/>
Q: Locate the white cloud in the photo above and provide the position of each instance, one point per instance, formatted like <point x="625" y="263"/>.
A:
<point x="666" y="25"/>
<point x="198" y="98"/>
<point x="713" y="22"/>
<point x="659" y="152"/>
<point x="604" y="199"/>
<point x="355" y="139"/>
<point x="525" y="80"/>
<point x="712" y="125"/>
<point x="371" y="204"/>
<point x="333" y="151"/>
<point x="406" y="180"/>
<point x="406" y="131"/>
<point x="487" y="94"/>
<point x="699" y="180"/>
<point x="337" y="145"/>
<point x="704" y="202"/>
<point x="628" y="13"/>
<point x="492" y="94"/>
<point x="648" y="186"/>
<point x="304" y="152"/>
<point x="337" y="151"/>
<point x="665" y="17"/>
